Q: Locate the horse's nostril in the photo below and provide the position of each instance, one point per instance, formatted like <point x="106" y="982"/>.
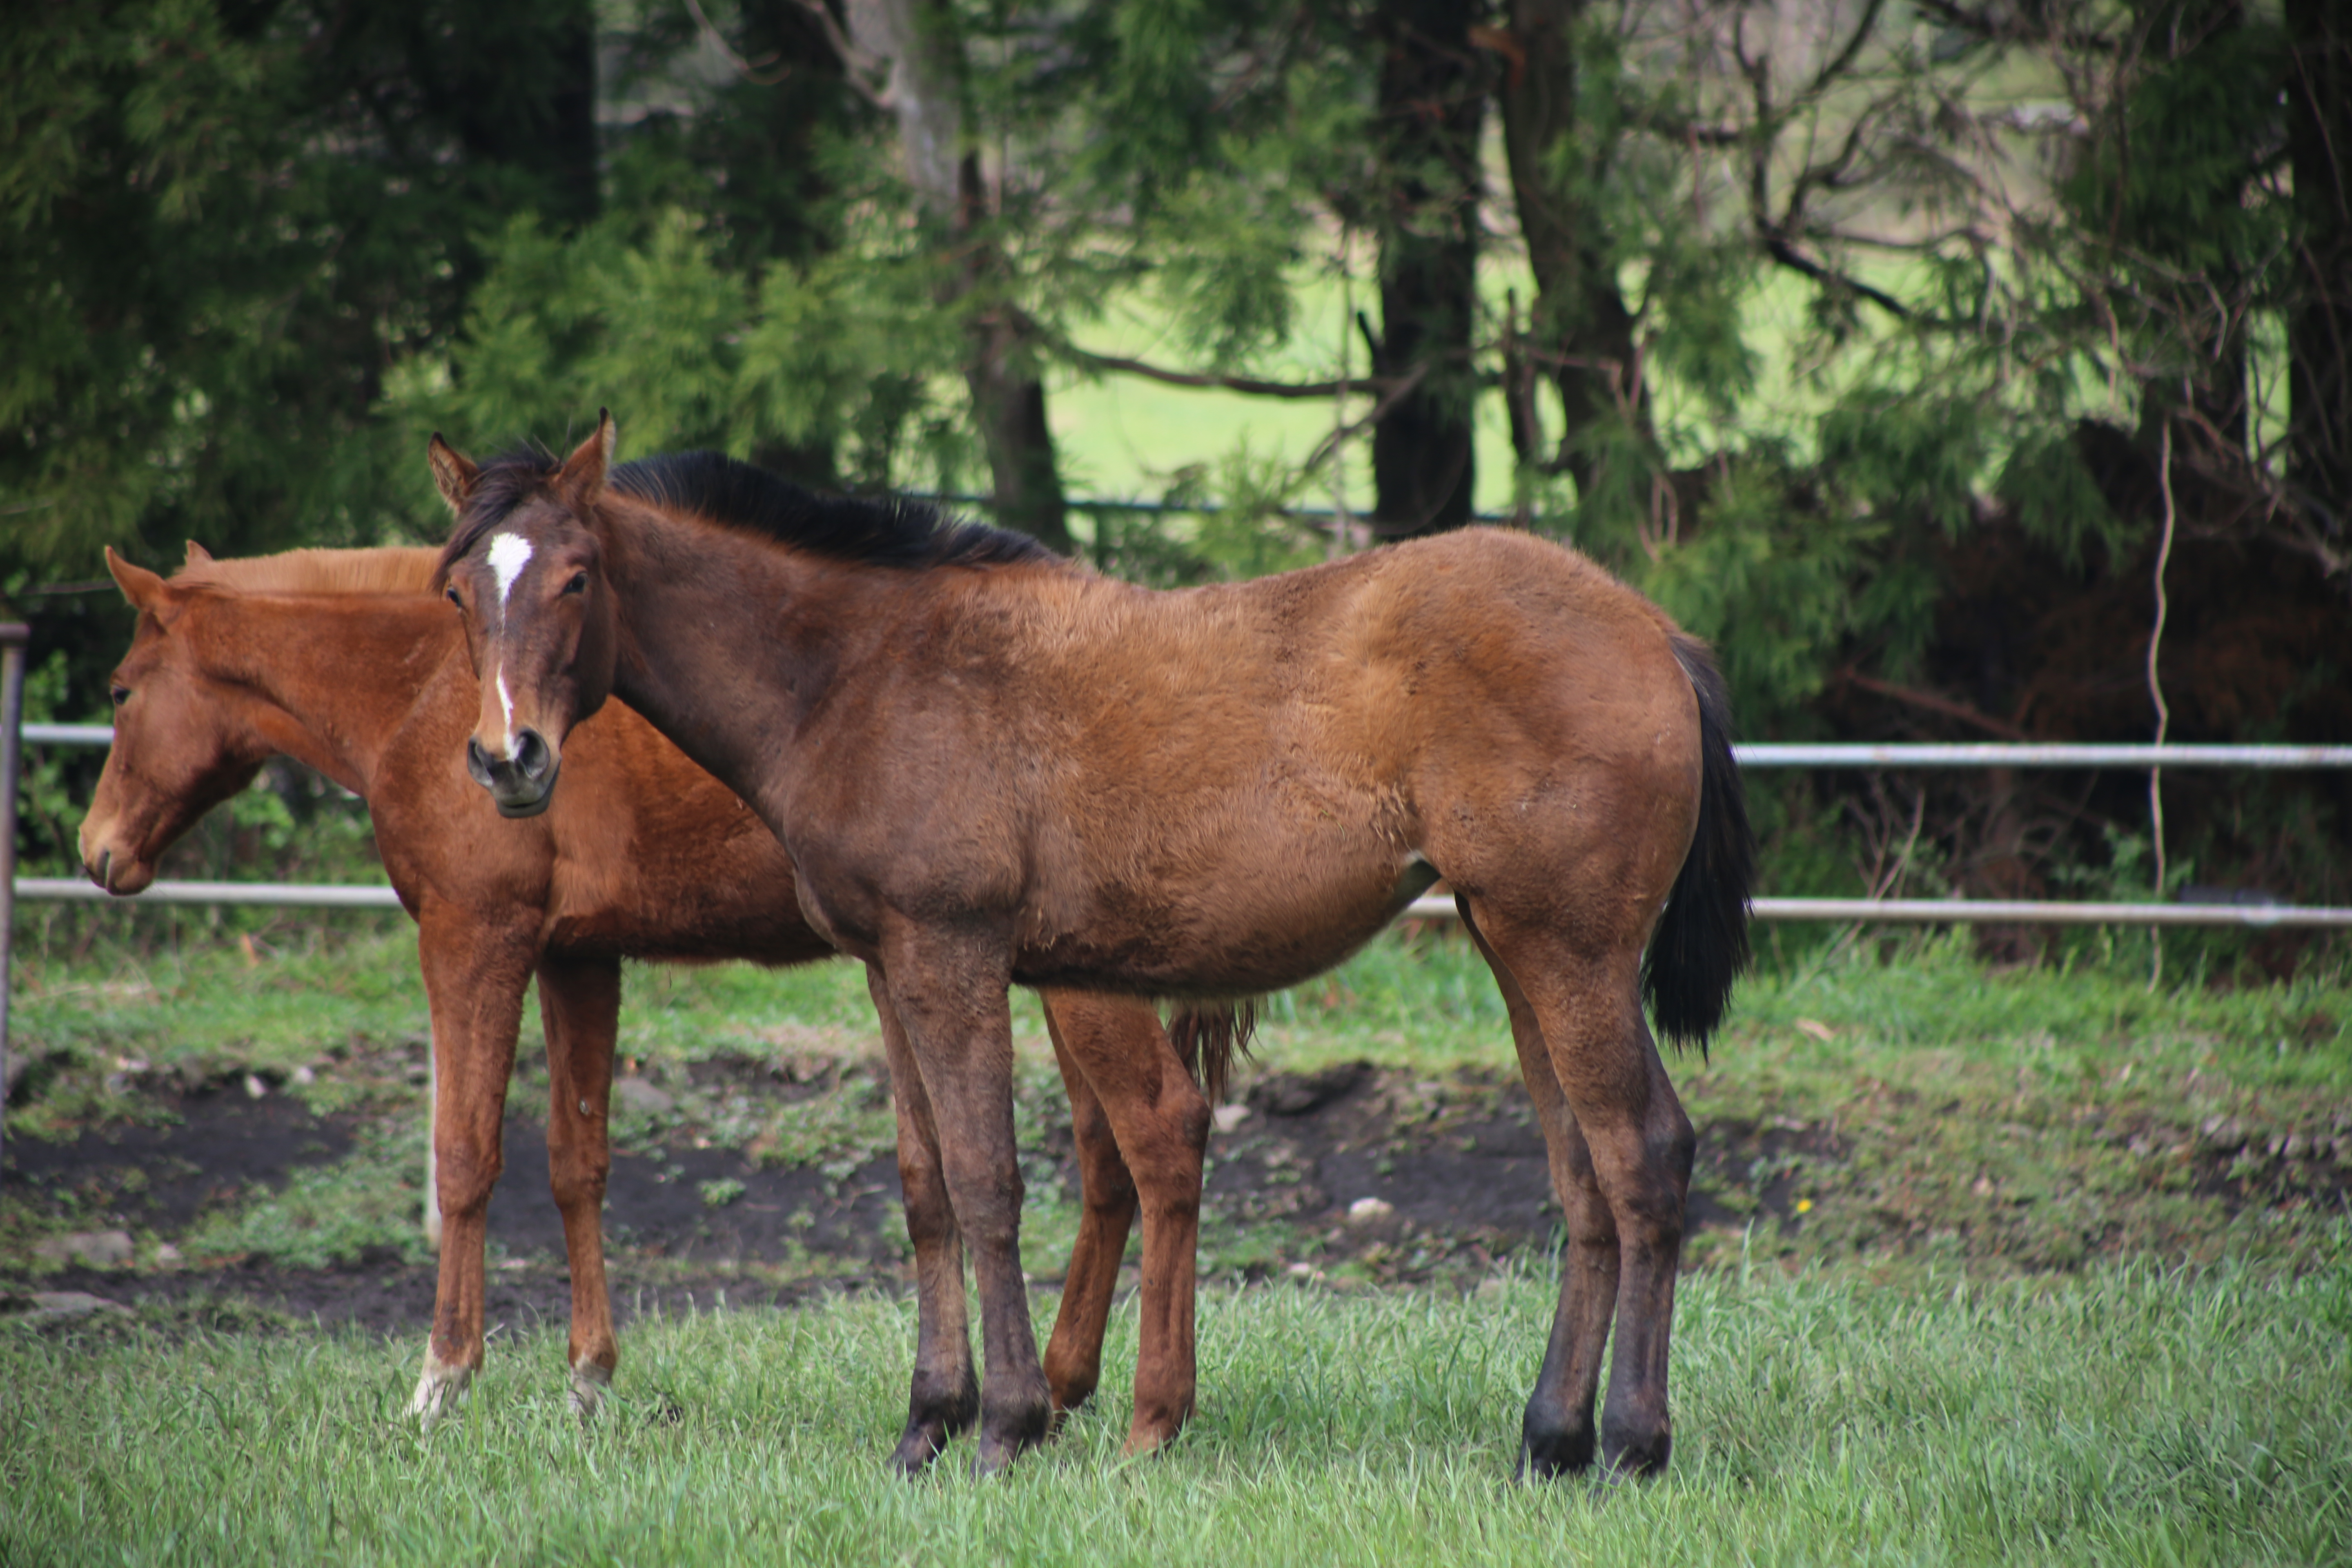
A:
<point x="477" y="763"/>
<point x="531" y="755"/>
<point x="105" y="865"/>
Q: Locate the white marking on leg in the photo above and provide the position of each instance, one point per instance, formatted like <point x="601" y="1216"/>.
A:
<point x="589" y="1383"/>
<point x="439" y="1389"/>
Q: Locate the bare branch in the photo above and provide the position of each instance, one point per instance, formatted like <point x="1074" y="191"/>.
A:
<point x="1253" y="386"/>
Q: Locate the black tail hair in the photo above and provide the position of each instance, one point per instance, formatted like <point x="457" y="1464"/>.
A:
<point x="1208" y="1037"/>
<point x="1701" y="942"/>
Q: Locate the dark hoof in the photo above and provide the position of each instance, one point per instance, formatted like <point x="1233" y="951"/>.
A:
<point x="1003" y="1439"/>
<point x="1548" y="1453"/>
<point x="1631" y="1457"/>
<point x="918" y="1446"/>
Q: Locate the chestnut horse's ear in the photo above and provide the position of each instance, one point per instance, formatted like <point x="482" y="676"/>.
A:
<point x="197" y="556"/>
<point x="143" y="588"/>
<point x="452" y="471"/>
<point x="584" y="472"/>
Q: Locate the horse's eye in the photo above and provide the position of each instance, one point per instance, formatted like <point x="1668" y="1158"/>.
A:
<point x="578" y="583"/>
<point x="454" y="600"/>
<point x="121" y="694"/>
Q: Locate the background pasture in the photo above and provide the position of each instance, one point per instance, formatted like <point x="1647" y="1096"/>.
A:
<point x="2025" y="1280"/>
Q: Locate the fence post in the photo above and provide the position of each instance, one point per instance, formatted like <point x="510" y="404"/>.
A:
<point x="13" y="635"/>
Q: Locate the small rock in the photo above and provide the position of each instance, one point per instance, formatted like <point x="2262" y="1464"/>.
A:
<point x="1302" y="1271"/>
<point x="1228" y="1117"/>
<point x="167" y="1256"/>
<point x="55" y="1306"/>
<point x="304" y="1077"/>
<point x="1370" y="1211"/>
<point x="90" y="1249"/>
<point x="254" y="1088"/>
<point x="636" y="1094"/>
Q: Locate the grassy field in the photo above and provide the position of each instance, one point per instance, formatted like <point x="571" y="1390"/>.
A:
<point x="2128" y="1416"/>
<point x="2060" y="1270"/>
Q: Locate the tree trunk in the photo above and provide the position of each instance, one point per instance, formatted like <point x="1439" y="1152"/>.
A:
<point x="927" y="93"/>
<point x="2319" y="332"/>
<point x="1579" y="323"/>
<point x="1431" y="103"/>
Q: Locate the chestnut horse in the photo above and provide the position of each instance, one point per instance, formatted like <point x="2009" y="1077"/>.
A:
<point x="341" y="659"/>
<point x="990" y="765"/>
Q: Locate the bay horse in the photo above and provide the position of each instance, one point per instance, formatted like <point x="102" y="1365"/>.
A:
<point x="344" y="660"/>
<point x="992" y="765"/>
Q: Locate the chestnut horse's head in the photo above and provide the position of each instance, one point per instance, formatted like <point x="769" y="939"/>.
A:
<point x="524" y="570"/>
<point x="179" y="748"/>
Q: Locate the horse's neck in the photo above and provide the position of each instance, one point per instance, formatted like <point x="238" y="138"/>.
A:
<point x="707" y="614"/>
<point x="327" y="681"/>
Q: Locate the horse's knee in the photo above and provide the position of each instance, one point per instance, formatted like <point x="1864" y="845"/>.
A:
<point x="577" y="1174"/>
<point x="466" y="1167"/>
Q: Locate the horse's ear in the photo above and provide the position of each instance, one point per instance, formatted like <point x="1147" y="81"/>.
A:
<point x="197" y="556"/>
<point x="452" y="472"/>
<point x="145" y="589"/>
<point x="584" y="472"/>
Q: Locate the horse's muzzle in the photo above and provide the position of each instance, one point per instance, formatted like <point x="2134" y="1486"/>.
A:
<point x="520" y="786"/>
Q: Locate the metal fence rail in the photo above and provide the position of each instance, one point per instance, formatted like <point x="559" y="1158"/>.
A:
<point x="1763" y="754"/>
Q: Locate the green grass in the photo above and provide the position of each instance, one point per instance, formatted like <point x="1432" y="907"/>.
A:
<point x="2128" y="1416"/>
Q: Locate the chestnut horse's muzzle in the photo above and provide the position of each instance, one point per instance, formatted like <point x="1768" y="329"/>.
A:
<point x="520" y="785"/>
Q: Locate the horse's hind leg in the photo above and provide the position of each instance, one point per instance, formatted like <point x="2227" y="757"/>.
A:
<point x="1556" y="1434"/>
<point x="1640" y="1146"/>
<point x="580" y="1005"/>
<point x="474" y="981"/>
<point x="1107" y="1213"/>
<point x="1161" y="1122"/>
<point x="944" y="1398"/>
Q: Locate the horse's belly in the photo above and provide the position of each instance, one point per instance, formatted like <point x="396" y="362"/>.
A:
<point x="1244" y="925"/>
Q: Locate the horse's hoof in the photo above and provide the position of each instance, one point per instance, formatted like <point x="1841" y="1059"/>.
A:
<point x="1549" y="1458"/>
<point x="439" y="1391"/>
<point x="589" y="1382"/>
<point x="1150" y="1434"/>
<point x="1635" y="1459"/>
<point x="1001" y="1443"/>
<point x="918" y="1446"/>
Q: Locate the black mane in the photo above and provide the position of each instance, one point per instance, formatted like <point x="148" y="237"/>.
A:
<point x="875" y="533"/>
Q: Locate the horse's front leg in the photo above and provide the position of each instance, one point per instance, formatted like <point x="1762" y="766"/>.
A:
<point x="944" y="1396"/>
<point x="580" y="1006"/>
<point x="1161" y="1119"/>
<point x="948" y="989"/>
<point x="474" y="980"/>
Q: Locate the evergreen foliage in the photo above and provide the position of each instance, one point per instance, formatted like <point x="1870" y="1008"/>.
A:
<point x="1877" y="340"/>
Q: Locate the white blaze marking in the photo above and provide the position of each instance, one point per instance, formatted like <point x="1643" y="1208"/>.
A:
<point x="509" y="553"/>
<point x="507" y="702"/>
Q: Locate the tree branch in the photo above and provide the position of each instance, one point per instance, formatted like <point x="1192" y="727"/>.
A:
<point x="1933" y="704"/>
<point x="1778" y="248"/>
<point x="1251" y="384"/>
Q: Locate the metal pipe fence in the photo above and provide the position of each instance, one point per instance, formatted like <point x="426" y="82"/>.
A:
<point x="1761" y="754"/>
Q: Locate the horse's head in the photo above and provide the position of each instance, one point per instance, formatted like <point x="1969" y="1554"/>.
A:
<point x="180" y="748"/>
<point x="524" y="569"/>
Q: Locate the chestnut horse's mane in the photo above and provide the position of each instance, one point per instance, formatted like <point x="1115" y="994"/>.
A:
<point x="388" y="570"/>
<point x="713" y="485"/>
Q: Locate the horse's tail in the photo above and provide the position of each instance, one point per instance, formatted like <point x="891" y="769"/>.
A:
<point x="1701" y="942"/>
<point x="1208" y="1037"/>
